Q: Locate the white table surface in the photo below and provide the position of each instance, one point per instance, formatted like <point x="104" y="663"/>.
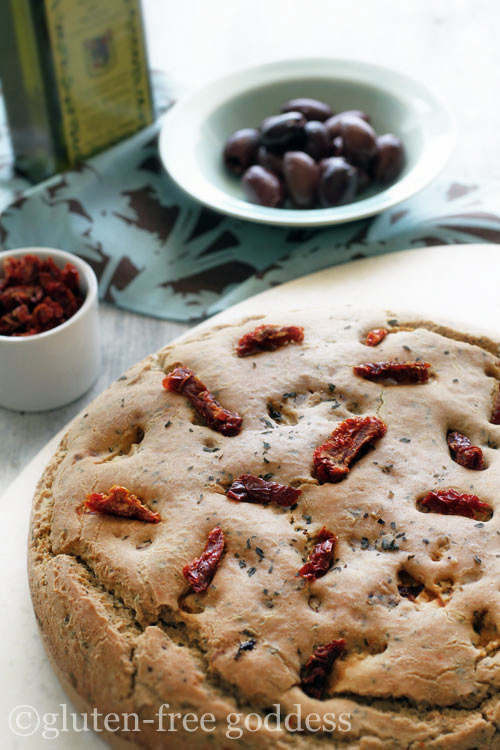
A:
<point x="451" y="45"/>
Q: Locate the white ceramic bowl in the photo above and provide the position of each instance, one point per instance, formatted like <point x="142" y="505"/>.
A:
<point x="195" y="129"/>
<point x="51" y="369"/>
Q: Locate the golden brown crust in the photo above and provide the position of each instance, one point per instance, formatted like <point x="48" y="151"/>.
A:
<point x="114" y="608"/>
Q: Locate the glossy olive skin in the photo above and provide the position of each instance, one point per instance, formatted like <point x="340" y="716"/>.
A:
<point x="316" y="144"/>
<point x="390" y="158"/>
<point x="283" y="132"/>
<point x="270" y="160"/>
<point x="312" y="109"/>
<point x="263" y="187"/>
<point x="240" y="151"/>
<point x="301" y="178"/>
<point x="338" y="183"/>
<point x="333" y="124"/>
<point x="359" y="141"/>
<point x="338" y="146"/>
<point x="364" y="179"/>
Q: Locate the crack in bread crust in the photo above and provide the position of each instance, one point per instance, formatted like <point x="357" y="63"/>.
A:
<point x="91" y="560"/>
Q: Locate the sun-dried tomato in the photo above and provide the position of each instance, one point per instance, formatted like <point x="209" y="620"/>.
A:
<point x="70" y="278"/>
<point x="183" y="380"/>
<point x="495" y="412"/>
<point x="49" y="272"/>
<point x="453" y="503"/>
<point x="28" y="294"/>
<point x="47" y="312"/>
<point x="463" y="452"/>
<point x="375" y="336"/>
<point x="15" y="321"/>
<point x="331" y="459"/>
<point x="315" y="672"/>
<point x="119" y="502"/>
<point x="411" y="591"/>
<point x="398" y="373"/>
<point x="24" y="270"/>
<point x="36" y="295"/>
<point x="250" y="489"/>
<point x="62" y="296"/>
<point x="200" y="572"/>
<point x="321" y="558"/>
<point x="267" y="338"/>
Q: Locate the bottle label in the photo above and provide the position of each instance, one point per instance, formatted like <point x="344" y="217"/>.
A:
<point x="101" y="71"/>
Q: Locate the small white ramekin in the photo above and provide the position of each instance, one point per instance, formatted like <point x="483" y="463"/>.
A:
<point x="51" y="369"/>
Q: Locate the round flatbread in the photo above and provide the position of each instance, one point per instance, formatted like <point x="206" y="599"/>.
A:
<point x="409" y="589"/>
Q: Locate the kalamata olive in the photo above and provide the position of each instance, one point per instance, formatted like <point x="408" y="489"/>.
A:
<point x="390" y="158"/>
<point x="358" y="113"/>
<point x="317" y="143"/>
<point x="364" y="179"/>
<point x="338" y="182"/>
<point x="333" y="123"/>
<point x="360" y="141"/>
<point x="337" y="146"/>
<point x="283" y="132"/>
<point x="262" y="186"/>
<point x="301" y="178"/>
<point x="240" y="151"/>
<point x="269" y="160"/>
<point x="312" y="109"/>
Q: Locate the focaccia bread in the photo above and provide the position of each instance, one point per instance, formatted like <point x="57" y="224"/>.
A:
<point x="372" y="596"/>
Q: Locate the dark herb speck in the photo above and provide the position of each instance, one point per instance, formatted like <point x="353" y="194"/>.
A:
<point x="389" y="544"/>
<point x="274" y="413"/>
<point x="245" y="646"/>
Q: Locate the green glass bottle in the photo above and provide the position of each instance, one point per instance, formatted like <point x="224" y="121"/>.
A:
<point x="75" y="79"/>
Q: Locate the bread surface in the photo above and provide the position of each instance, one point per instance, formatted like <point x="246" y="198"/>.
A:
<point x="126" y="634"/>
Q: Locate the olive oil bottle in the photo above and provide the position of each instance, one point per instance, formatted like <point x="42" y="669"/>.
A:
<point x="74" y="76"/>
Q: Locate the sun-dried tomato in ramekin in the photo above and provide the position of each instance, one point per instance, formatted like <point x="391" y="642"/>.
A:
<point x="36" y="295"/>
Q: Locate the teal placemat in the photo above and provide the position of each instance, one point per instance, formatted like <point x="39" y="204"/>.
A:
<point x="157" y="252"/>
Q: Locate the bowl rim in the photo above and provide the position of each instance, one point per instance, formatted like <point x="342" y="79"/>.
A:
<point x="357" y="71"/>
<point x="83" y="268"/>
